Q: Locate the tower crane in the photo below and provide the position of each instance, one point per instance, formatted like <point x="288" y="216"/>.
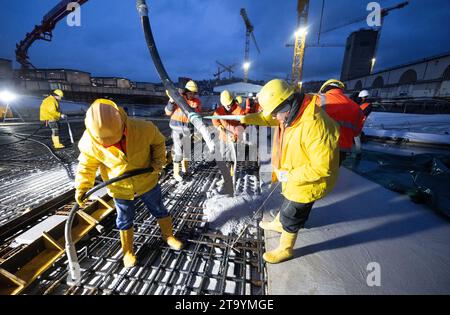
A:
<point x="222" y="68"/>
<point x="248" y="33"/>
<point x="43" y="31"/>
<point x="300" y="42"/>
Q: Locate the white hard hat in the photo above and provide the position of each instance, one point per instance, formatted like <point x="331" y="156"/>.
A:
<point x="364" y="93"/>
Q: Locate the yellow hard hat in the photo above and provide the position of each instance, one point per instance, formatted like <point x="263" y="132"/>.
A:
<point x="239" y="99"/>
<point x="332" y="82"/>
<point x="105" y="122"/>
<point x="191" y="86"/>
<point x="273" y="94"/>
<point x="226" y="98"/>
<point x="58" y="92"/>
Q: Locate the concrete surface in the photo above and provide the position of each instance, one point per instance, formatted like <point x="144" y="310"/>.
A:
<point x="361" y="223"/>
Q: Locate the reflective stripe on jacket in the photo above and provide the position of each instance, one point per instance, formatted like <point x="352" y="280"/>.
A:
<point x="49" y="109"/>
<point x="345" y="112"/>
<point x="178" y="119"/>
<point x="309" y="152"/>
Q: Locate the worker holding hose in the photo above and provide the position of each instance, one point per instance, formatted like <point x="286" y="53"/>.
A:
<point x="229" y="131"/>
<point x="116" y="144"/>
<point x="305" y="158"/>
<point x="50" y="112"/>
<point x="181" y="130"/>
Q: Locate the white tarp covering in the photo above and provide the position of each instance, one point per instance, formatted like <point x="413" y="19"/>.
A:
<point x="240" y="88"/>
<point x="415" y="128"/>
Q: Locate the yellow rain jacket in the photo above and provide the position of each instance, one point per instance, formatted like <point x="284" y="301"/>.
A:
<point x="145" y="147"/>
<point x="50" y="109"/>
<point x="309" y="152"/>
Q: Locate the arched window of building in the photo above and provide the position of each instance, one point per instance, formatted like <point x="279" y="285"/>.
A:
<point x="446" y="76"/>
<point x="378" y="83"/>
<point x="408" y="77"/>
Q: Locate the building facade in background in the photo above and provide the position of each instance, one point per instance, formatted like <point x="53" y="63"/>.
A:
<point x="359" y="54"/>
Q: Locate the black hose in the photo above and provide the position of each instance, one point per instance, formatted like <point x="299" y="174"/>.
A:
<point x="74" y="276"/>
<point x="27" y="136"/>
<point x="64" y="164"/>
<point x="193" y="117"/>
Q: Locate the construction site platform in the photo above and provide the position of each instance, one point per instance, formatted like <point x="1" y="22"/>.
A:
<point x="357" y="231"/>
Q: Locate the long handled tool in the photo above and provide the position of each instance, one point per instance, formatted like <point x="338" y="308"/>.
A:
<point x="74" y="277"/>
<point x="70" y="130"/>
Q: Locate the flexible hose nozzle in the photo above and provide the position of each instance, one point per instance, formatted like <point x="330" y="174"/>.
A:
<point x="74" y="276"/>
<point x="197" y="121"/>
<point x="142" y="8"/>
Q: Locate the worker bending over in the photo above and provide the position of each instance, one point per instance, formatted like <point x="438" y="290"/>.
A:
<point x="116" y="144"/>
<point x="229" y="131"/>
<point x="344" y="111"/>
<point x="181" y="128"/>
<point x="305" y="158"/>
<point x="50" y="112"/>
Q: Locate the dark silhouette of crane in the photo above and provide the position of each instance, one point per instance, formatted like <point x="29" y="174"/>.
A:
<point x="44" y="30"/>
<point x="222" y="68"/>
<point x="248" y="33"/>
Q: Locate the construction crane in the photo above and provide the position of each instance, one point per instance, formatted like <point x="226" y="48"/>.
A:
<point x="384" y="12"/>
<point x="300" y="42"/>
<point x="248" y="33"/>
<point x="222" y="68"/>
<point x="44" y="30"/>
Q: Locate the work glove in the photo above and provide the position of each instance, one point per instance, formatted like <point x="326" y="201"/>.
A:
<point x="170" y="97"/>
<point x="282" y="176"/>
<point x="78" y="197"/>
<point x="232" y="138"/>
<point x="63" y="116"/>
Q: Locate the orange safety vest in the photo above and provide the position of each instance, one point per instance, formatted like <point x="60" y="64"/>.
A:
<point x="231" y="126"/>
<point x="346" y="113"/>
<point x="178" y="119"/>
<point x="252" y="106"/>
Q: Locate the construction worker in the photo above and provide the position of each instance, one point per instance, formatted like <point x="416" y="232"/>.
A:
<point x="116" y="144"/>
<point x="251" y="104"/>
<point x="344" y="111"/>
<point x="364" y="105"/>
<point x="229" y="131"/>
<point x="50" y="112"/>
<point x="181" y="130"/>
<point x="305" y="158"/>
<point x="5" y="112"/>
<point x="366" y="108"/>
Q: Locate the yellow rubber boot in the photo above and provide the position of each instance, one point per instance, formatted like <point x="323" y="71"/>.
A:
<point x="184" y="165"/>
<point x="274" y="225"/>
<point x="176" y="172"/>
<point x="284" y="251"/>
<point x="56" y="143"/>
<point x="167" y="233"/>
<point x="126" y="238"/>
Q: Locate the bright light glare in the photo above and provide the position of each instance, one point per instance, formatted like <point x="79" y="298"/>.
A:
<point x="246" y="65"/>
<point x="302" y="31"/>
<point x="7" y="96"/>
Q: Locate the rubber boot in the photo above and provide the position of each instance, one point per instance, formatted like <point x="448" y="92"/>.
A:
<point x="274" y="225"/>
<point x="184" y="165"/>
<point x="166" y="227"/>
<point x="284" y="251"/>
<point x="176" y="172"/>
<point x="126" y="238"/>
<point x="56" y="143"/>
